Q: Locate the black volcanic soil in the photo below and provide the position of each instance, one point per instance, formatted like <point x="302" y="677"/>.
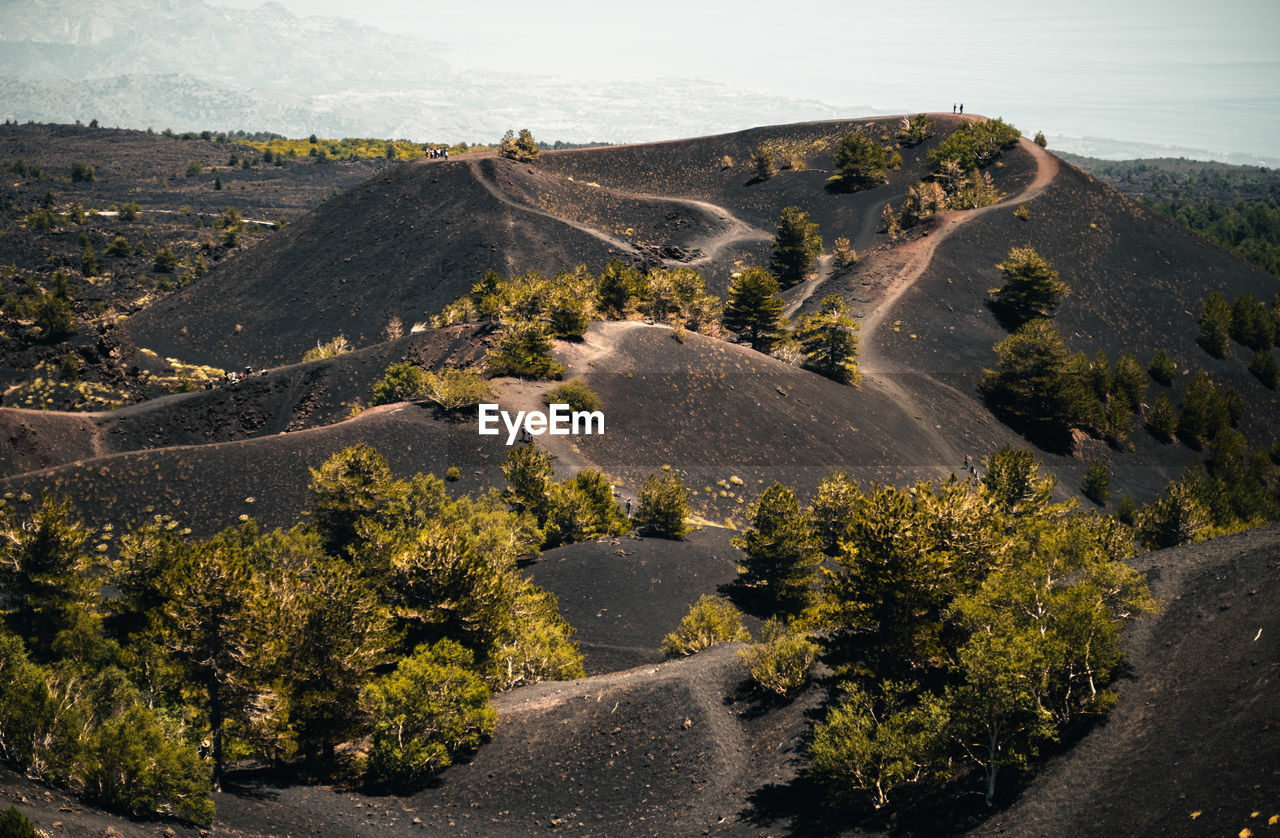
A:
<point x="663" y="749"/>
<point x="403" y="244"/>
<point x="694" y="169"/>
<point x="150" y="169"/>
<point x="679" y="749"/>
<point x="623" y="595"/>
<point x="716" y="411"/>
<point x="291" y="398"/>
<point x="416" y="237"/>
<point x="208" y="487"/>
<point x="1137" y="282"/>
<point x="177" y="212"/>
<point x="1196" y="729"/>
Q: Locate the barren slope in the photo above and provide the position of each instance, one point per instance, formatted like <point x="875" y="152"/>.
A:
<point x="208" y="487"/>
<point x="402" y="244"/>
<point x="732" y="420"/>
<point x="414" y="238"/>
<point x="1193" y="748"/>
<point x="290" y="398"/>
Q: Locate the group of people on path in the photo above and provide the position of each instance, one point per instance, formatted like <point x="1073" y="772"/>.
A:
<point x="233" y="377"/>
<point x="953" y="107"/>
<point x="434" y="153"/>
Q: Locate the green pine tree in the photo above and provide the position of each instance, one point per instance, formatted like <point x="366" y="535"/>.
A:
<point x="432" y="708"/>
<point x="663" y="507"/>
<point x="796" y="247"/>
<point x="754" y="310"/>
<point x="1032" y="287"/>
<point x="1215" y="325"/>
<point x="830" y="341"/>
<point x="860" y="163"/>
<point x="781" y="552"/>
<point x="352" y="484"/>
<point x="44" y="572"/>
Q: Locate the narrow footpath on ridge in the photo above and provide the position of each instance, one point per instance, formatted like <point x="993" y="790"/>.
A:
<point x="616" y="243"/>
<point x="912" y="260"/>
<point x="708" y="247"/>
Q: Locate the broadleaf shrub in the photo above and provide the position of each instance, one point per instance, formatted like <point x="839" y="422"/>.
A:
<point x="781" y="661"/>
<point x="711" y="620"/>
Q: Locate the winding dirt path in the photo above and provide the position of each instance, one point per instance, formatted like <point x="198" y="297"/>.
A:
<point x="494" y="190"/>
<point x="709" y="247"/>
<point x="105" y="456"/>
<point x="701" y="673"/>
<point x="712" y="246"/>
<point x="916" y="257"/>
<point x="804" y="290"/>
<point x="517" y="394"/>
<point x="918" y="254"/>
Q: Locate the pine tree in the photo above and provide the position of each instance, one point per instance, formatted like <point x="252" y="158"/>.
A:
<point x="830" y="342"/>
<point x="711" y="620"/>
<point x="1251" y="323"/>
<point x="527" y="146"/>
<point x="781" y="552"/>
<point x="207" y="625"/>
<point x="354" y="483"/>
<point x="445" y="580"/>
<point x="1129" y="382"/>
<point x="567" y="315"/>
<point x="1097" y="484"/>
<point x="1028" y="384"/>
<point x="1162" y="419"/>
<point x="165" y="261"/>
<point x="583" y="509"/>
<point x="1162" y="368"/>
<point x="1032" y="287"/>
<point x="1205" y="410"/>
<point x="1263" y="365"/>
<point x="44" y="572"/>
<point x="432" y="708"/>
<point x="523" y="349"/>
<point x="52" y="315"/>
<point x="1215" y="325"/>
<point x="1013" y="480"/>
<point x="337" y="634"/>
<point x="13" y="824"/>
<point x="617" y="288"/>
<point x="834" y="509"/>
<point x="401" y="382"/>
<point x="523" y="147"/>
<point x="859" y="163"/>
<point x="89" y="264"/>
<point x="664" y="506"/>
<point x="795" y="247"/>
<point x="763" y="163"/>
<point x="754" y="310"/>
<point x="1176" y="517"/>
<point x="529" y="482"/>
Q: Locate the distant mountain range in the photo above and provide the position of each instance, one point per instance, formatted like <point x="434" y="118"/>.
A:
<point x="188" y="65"/>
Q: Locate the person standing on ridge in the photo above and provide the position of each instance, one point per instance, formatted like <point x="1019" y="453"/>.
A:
<point x="962" y="108"/>
<point x="953" y="107"/>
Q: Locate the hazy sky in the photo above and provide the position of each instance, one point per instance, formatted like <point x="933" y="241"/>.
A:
<point x="1171" y="72"/>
